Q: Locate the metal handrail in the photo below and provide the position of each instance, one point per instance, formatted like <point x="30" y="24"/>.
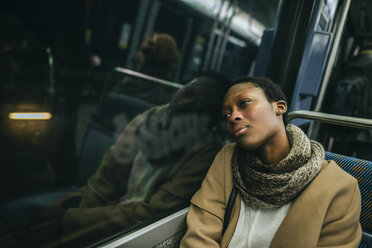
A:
<point x="331" y="118"/>
<point x="147" y="77"/>
<point x="154" y="233"/>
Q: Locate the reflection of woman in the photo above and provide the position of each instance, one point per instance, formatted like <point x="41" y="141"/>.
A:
<point x="287" y="194"/>
<point x="156" y="165"/>
<point x="157" y="57"/>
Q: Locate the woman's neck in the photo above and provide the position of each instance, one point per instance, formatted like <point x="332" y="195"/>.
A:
<point x="276" y="149"/>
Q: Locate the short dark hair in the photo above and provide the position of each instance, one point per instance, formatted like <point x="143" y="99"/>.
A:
<point x="158" y="56"/>
<point x="206" y="96"/>
<point x="272" y="90"/>
<point x="224" y="80"/>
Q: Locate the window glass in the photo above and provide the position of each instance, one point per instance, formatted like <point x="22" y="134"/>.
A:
<point x="106" y="122"/>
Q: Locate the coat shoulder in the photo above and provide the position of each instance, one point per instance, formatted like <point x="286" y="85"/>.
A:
<point x="336" y="175"/>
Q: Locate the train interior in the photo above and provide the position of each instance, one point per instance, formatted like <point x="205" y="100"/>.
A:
<point x="73" y="77"/>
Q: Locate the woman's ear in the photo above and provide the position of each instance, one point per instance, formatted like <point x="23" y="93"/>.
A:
<point x="280" y="107"/>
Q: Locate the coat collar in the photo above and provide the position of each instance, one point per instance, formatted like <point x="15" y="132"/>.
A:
<point x="303" y="221"/>
<point x="301" y="224"/>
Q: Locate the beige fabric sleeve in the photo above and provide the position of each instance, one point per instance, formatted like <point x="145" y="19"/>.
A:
<point x="341" y="227"/>
<point x="205" y="217"/>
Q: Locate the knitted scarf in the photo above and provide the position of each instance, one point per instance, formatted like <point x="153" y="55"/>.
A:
<point x="272" y="185"/>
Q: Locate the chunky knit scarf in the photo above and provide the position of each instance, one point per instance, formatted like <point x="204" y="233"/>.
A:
<point x="271" y="185"/>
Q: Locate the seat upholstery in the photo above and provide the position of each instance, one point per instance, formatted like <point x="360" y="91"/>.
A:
<point x="362" y="171"/>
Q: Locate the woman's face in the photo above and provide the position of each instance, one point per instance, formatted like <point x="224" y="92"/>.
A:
<point x="251" y="119"/>
<point x="202" y="93"/>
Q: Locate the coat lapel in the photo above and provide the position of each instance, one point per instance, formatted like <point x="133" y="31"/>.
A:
<point x="301" y="227"/>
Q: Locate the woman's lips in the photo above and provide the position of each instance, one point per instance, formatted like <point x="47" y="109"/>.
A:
<point x="239" y="130"/>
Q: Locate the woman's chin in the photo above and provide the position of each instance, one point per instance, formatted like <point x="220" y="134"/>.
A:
<point x="247" y="146"/>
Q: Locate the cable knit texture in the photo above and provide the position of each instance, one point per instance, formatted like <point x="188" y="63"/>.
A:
<point x="272" y="185"/>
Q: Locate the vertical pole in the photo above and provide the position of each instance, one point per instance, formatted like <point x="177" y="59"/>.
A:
<point x="211" y="37"/>
<point x="186" y="40"/>
<point x="153" y="14"/>
<point x="222" y="37"/>
<point x="224" y="44"/>
<point x="137" y="30"/>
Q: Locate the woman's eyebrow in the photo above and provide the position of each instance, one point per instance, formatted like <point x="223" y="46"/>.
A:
<point x="243" y="94"/>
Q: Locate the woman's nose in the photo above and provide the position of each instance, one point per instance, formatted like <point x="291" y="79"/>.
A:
<point x="235" y="116"/>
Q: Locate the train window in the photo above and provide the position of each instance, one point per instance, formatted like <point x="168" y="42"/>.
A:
<point x="107" y="124"/>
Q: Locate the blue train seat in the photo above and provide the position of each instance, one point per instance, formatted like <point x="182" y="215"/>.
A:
<point x="119" y="103"/>
<point x="96" y="141"/>
<point x="98" y="137"/>
<point x="362" y="171"/>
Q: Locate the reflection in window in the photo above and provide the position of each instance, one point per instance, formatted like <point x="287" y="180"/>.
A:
<point x="119" y="150"/>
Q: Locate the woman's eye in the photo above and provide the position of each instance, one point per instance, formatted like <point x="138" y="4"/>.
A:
<point x="226" y="116"/>
<point x="244" y="103"/>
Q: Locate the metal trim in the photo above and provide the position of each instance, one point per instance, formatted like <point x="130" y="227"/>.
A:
<point x="331" y="118"/>
<point x="153" y="234"/>
<point x="147" y="77"/>
<point x="332" y="56"/>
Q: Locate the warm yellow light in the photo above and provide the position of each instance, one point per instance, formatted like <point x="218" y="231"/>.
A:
<point x="30" y="116"/>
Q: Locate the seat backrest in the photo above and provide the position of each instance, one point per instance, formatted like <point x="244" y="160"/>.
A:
<point x="119" y="103"/>
<point x="96" y="142"/>
<point x="100" y="133"/>
<point x="128" y="104"/>
<point x="362" y="171"/>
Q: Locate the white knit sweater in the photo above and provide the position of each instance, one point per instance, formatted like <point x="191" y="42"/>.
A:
<point x="256" y="227"/>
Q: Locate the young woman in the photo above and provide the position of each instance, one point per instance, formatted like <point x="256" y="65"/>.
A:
<point x="287" y="194"/>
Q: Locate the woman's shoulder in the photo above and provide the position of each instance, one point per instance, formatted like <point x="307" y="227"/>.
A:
<point x="217" y="184"/>
<point x="336" y="175"/>
<point x="223" y="159"/>
<point x="331" y="182"/>
<point x="228" y="149"/>
<point x="332" y="185"/>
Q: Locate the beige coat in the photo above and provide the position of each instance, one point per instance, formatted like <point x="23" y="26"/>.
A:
<point x="326" y="214"/>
